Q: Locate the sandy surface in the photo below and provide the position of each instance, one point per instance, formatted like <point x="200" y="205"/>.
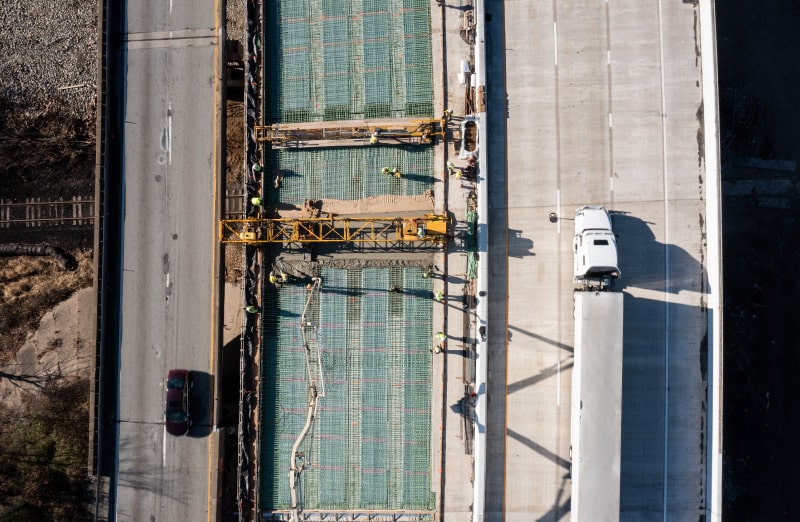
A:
<point x="389" y="206"/>
<point x="61" y="348"/>
<point x="233" y="318"/>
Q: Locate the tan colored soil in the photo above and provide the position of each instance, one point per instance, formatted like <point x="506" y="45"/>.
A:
<point x="61" y="348"/>
<point x="389" y="206"/>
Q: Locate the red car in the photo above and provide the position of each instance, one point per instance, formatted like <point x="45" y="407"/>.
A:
<point x="176" y="409"/>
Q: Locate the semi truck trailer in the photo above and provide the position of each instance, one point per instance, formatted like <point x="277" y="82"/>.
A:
<point x="596" y="406"/>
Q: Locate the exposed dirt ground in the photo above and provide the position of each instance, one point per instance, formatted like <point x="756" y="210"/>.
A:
<point x="61" y="348"/>
<point x="47" y="143"/>
<point x="758" y="53"/>
<point x="47" y="119"/>
<point x="46" y="151"/>
<point x="29" y="288"/>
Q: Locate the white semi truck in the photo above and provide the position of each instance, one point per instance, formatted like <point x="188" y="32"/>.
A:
<point x="596" y="416"/>
<point x="595" y="248"/>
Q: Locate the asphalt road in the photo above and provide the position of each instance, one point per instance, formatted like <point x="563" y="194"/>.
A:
<point x="602" y="108"/>
<point x="169" y="257"/>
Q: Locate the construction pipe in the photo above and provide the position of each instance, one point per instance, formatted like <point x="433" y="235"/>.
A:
<point x="64" y="258"/>
<point x="294" y="472"/>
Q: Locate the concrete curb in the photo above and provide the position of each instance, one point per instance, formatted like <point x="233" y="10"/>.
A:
<point x="708" y="52"/>
<point x="482" y="287"/>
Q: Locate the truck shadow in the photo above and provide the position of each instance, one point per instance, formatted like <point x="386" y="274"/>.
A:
<point x="664" y="385"/>
<point x="664" y="375"/>
<point x="646" y="263"/>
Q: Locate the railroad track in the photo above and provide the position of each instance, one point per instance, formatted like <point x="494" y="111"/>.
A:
<point x="78" y="211"/>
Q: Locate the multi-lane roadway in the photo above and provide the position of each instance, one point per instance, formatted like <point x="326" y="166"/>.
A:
<point x="169" y="257"/>
<point x="604" y="105"/>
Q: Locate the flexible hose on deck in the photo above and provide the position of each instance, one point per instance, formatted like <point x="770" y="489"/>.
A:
<point x="294" y="471"/>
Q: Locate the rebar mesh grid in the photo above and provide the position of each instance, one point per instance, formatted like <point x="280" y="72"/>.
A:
<point x="340" y="60"/>
<point x="349" y="173"/>
<point x="370" y="445"/>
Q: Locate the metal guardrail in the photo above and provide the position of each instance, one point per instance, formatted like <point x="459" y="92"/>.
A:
<point x="95" y="464"/>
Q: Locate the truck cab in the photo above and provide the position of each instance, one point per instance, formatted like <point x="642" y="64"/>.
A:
<point x="595" y="247"/>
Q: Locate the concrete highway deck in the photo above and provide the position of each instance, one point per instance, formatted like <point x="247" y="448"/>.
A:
<point x="604" y="106"/>
<point x="169" y="258"/>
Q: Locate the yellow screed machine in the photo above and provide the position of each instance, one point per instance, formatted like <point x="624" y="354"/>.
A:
<point x="429" y="228"/>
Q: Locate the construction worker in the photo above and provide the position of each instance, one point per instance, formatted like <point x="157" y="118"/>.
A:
<point x="373" y="139"/>
<point x="439" y="348"/>
<point x="396" y="173"/>
<point x="386" y="170"/>
<point x="256" y="168"/>
<point x="441" y="336"/>
<point x="395" y="289"/>
<point x="251" y="309"/>
<point x="429" y="271"/>
<point x="451" y="167"/>
<point x="256" y="201"/>
<point x="439" y="296"/>
<point x="273" y="278"/>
